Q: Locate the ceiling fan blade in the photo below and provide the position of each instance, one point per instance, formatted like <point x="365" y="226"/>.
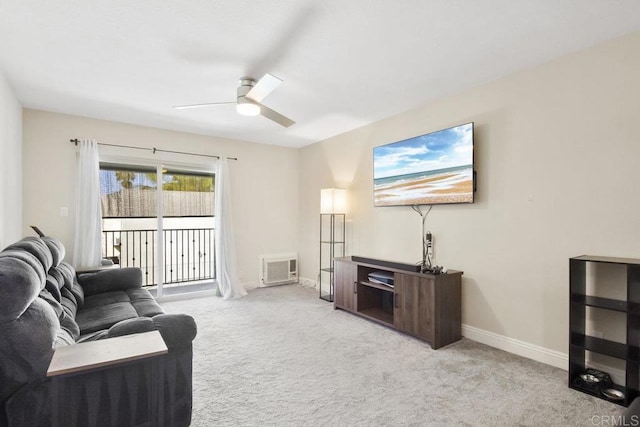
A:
<point x="275" y="116"/>
<point x="210" y="104"/>
<point x="264" y="87"/>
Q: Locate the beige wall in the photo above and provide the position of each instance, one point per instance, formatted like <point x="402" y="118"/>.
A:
<point x="556" y="150"/>
<point x="556" y="155"/>
<point x="10" y="164"/>
<point x="263" y="181"/>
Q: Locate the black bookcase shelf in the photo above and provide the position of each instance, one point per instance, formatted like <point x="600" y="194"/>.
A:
<point x="606" y="303"/>
<point x="599" y="345"/>
<point x="580" y="343"/>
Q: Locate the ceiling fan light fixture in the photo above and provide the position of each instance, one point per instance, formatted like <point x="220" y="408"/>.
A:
<point x="248" y="108"/>
<point x="249" y="98"/>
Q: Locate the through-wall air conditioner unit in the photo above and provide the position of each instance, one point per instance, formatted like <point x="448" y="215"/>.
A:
<point x="278" y="269"/>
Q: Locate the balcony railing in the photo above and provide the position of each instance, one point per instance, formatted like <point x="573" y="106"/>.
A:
<point x="189" y="254"/>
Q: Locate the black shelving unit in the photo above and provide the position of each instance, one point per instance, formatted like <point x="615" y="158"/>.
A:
<point x="332" y="241"/>
<point x="580" y="342"/>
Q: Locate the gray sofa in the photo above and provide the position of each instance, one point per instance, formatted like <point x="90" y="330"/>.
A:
<point x="44" y="304"/>
<point x="631" y="415"/>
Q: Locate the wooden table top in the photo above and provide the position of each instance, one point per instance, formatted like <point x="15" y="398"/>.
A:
<point x="111" y="351"/>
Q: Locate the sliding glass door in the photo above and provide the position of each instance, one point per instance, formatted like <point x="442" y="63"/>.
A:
<point x="188" y="231"/>
<point x="164" y="226"/>
<point x="130" y="218"/>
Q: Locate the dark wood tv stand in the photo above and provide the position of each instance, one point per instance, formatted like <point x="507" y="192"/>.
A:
<point x="426" y="306"/>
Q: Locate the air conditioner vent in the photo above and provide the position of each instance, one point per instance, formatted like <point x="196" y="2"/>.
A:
<point x="278" y="269"/>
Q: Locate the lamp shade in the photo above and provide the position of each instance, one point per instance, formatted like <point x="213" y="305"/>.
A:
<point x="333" y="201"/>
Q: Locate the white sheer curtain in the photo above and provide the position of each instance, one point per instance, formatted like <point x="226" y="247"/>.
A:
<point x="88" y="229"/>
<point x="226" y="267"/>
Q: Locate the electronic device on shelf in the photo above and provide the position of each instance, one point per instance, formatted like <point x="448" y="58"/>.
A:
<point x="593" y="381"/>
<point x="435" y="269"/>
<point x="381" y="277"/>
<point x="388" y="264"/>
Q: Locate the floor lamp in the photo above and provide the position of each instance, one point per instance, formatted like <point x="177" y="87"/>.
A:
<point x="333" y="203"/>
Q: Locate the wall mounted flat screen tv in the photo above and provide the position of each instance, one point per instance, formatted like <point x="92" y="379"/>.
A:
<point x="435" y="168"/>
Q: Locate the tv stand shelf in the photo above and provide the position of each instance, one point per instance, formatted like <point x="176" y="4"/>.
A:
<point x="377" y="315"/>
<point x="426" y="306"/>
<point x="377" y="286"/>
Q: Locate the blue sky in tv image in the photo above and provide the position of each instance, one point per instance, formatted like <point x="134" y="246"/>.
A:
<point x="428" y="169"/>
<point x="443" y="149"/>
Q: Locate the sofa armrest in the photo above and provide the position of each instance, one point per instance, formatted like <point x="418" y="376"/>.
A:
<point x="177" y="330"/>
<point x="110" y="280"/>
<point x="82" y="372"/>
<point x="632" y="412"/>
<point x="32" y="403"/>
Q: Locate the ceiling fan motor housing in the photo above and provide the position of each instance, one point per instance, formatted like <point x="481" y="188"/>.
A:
<point x="246" y="84"/>
<point x="247" y="106"/>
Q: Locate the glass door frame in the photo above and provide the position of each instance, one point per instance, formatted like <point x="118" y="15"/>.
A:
<point x="206" y="167"/>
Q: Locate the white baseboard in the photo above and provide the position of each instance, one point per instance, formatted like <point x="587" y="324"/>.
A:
<point x="534" y="352"/>
<point x="521" y="348"/>
<point x="250" y="285"/>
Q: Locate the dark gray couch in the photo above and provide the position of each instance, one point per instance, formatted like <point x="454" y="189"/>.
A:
<point x="44" y="305"/>
<point x="631" y="415"/>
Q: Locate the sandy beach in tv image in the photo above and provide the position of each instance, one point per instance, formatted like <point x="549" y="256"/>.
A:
<point x="428" y="169"/>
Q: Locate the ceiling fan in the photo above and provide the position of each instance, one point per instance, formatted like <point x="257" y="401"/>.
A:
<point x="250" y="95"/>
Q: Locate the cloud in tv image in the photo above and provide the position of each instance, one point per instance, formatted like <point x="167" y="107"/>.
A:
<point x="429" y="169"/>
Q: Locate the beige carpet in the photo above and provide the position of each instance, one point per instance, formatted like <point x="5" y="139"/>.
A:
<point x="283" y="357"/>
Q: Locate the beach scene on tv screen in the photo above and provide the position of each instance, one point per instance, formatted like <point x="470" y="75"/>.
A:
<point x="428" y="169"/>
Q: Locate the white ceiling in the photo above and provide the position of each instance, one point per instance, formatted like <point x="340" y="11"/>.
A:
<point x="345" y="63"/>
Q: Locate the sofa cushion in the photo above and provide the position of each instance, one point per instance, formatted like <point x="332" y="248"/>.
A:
<point x="68" y="273"/>
<point x="131" y="326"/>
<point x="56" y="248"/>
<point x="108" y="280"/>
<point x="30" y="259"/>
<point x="69" y="331"/>
<point x="51" y="285"/>
<point x="55" y="304"/>
<point x="105" y="299"/>
<point x="27" y="346"/>
<point x="66" y="277"/>
<point x="63" y="338"/>
<point x="144" y="303"/>
<point x="20" y="284"/>
<point x="56" y="277"/>
<point x="104" y="316"/>
<point x="101" y="311"/>
<point x="93" y="336"/>
<point x="36" y="247"/>
<point x="68" y="302"/>
<point x="69" y="325"/>
<point x="78" y="293"/>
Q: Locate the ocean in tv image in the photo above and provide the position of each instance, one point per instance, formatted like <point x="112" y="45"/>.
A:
<point x="428" y="169"/>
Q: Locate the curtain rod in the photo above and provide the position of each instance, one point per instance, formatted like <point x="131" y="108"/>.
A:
<point x="154" y="150"/>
